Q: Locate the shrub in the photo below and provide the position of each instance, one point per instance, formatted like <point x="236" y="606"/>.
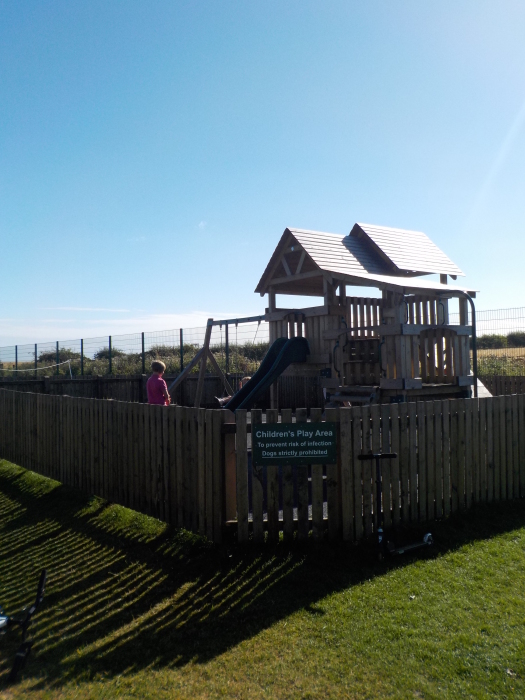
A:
<point x="104" y="354"/>
<point x="516" y="339"/>
<point x="491" y="341"/>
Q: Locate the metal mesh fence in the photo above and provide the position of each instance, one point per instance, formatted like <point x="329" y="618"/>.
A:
<point x="237" y="346"/>
<point x="500" y="341"/>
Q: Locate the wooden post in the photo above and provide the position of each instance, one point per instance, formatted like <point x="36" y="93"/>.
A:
<point x="227" y="349"/>
<point x="202" y="369"/>
<point x="463" y="311"/>
<point x="219" y="371"/>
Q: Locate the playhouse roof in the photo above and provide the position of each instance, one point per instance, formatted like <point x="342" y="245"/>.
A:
<point x="370" y="255"/>
<point x="408" y="251"/>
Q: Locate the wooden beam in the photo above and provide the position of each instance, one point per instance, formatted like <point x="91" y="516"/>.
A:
<point x="443" y="279"/>
<point x="300" y="263"/>
<point x="219" y="371"/>
<point x="398" y="329"/>
<point x="293" y="278"/>
<point x="202" y="368"/>
<point x="286" y="266"/>
<point x="186" y="371"/>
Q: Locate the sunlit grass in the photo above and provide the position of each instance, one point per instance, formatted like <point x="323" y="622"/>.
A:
<point x="136" y="610"/>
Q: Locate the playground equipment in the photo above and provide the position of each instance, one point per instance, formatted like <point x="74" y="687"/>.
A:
<point x="23" y="622"/>
<point x="361" y="350"/>
<point x="387" y="546"/>
<point x="282" y="353"/>
<point x="374" y="350"/>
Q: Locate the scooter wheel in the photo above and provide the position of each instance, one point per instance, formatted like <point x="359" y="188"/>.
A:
<point x="428" y="539"/>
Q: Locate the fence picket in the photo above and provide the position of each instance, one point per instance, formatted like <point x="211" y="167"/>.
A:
<point x="521" y="432"/>
<point x="421" y="459"/>
<point x="302" y="489"/>
<point x="172" y="468"/>
<point x="445" y="407"/>
<point x="333" y="481"/>
<point x="218" y="476"/>
<point x="412" y="471"/>
<point x="404" y="462"/>
<point x="288" y="521"/>
<point x="359" y="476"/>
<point x="502" y="447"/>
<point x="514" y="416"/>
<point x="209" y="469"/>
<point x="469" y="443"/>
<point x="179" y="455"/>
<point x="386" y="464"/>
<point x="348" y="503"/>
<point x="438" y="457"/>
<point x="430" y="460"/>
<point x="461" y="453"/>
<point x="201" y="469"/>
<point x="395" y="464"/>
<point x="242" y="475"/>
<point x="317" y="488"/>
<point x="257" y="489"/>
<point x="272" y="488"/>
<point x="508" y="448"/>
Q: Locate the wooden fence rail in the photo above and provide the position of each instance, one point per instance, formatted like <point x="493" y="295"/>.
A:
<point x="186" y="467"/>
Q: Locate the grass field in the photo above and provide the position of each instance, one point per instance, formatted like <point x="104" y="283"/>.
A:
<point x="134" y="610"/>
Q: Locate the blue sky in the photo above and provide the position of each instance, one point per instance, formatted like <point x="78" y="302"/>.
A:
<point x="152" y="153"/>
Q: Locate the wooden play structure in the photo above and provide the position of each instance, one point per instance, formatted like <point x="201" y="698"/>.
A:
<point x="365" y="350"/>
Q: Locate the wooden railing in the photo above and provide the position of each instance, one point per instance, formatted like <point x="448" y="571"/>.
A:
<point x="192" y="467"/>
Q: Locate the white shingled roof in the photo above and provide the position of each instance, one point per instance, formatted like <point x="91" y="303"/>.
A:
<point x="369" y="255"/>
<point x="409" y="251"/>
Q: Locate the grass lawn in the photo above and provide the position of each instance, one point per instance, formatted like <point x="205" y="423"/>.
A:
<point x="134" y="610"/>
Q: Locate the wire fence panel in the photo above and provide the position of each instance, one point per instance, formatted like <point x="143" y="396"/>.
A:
<point x="500" y="341"/>
<point x="237" y="347"/>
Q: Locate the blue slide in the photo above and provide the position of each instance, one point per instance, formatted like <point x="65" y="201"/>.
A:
<point x="282" y="353"/>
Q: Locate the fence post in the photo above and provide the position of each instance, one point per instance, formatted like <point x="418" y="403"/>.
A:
<point x="109" y="355"/>
<point x="81" y="357"/>
<point x="227" y="350"/>
<point x="58" y="358"/>
<point x="36" y="360"/>
<point x="16" y="356"/>
<point x="181" y="350"/>
<point x="143" y="355"/>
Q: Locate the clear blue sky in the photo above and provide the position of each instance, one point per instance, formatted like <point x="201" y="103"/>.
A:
<point x="152" y="153"/>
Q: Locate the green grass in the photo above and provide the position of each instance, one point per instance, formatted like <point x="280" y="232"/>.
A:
<point x="134" y="610"/>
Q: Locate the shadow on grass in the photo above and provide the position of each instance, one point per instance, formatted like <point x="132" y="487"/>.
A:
<point x="126" y="593"/>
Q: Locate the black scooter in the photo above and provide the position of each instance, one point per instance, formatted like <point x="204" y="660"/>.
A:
<point x="386" y="546"/>
<point x="23" y="622"/>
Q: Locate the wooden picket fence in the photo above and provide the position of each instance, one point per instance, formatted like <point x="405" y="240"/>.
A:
<point x="192" y="467"/>
<point x="168" y="463"/>
<point x="502" y="385"/>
